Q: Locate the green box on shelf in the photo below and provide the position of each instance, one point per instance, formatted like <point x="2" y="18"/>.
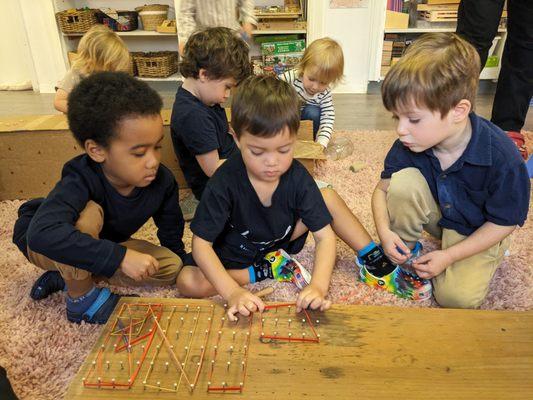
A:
<point x="492" y="61"/>
<point x="259" y="39"/>
<point x="289" y="46"/>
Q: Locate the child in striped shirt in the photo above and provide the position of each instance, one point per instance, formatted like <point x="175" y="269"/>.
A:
<point x="321" y="67"/>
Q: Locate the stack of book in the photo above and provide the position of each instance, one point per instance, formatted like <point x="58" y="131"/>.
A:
<point x="394" y="46"/>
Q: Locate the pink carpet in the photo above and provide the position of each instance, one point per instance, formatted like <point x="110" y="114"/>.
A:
<point x="42" y="351"/>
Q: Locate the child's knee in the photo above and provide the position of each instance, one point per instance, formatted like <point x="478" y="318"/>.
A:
<point x="453" y="298"/>
<point x="91" y="219"/>
<point x="404" y="184"/>
<point x="191" y="282"/>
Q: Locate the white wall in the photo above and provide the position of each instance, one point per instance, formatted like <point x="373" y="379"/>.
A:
<point x="41" y="30"/>
<point x="16" y="65"/>
<point x="352" y="28"/>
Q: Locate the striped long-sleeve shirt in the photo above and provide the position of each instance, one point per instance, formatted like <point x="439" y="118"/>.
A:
<point x="200" y="14"/>
<point x="324" y="100"/>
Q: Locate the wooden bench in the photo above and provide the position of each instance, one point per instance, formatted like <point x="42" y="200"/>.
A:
<point x="35" y="147"/>
<point x="365" y="352"/>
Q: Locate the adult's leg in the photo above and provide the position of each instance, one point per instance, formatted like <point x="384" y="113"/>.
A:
<point x="477" y="22"/>
<point x="515" y="82"/>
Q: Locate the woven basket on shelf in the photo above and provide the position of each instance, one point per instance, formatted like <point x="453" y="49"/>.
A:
<point x="158" y="64"/>
<point x="76" y="21"/>
<point x="152" y="15"/>
<point x="133" y="67"/>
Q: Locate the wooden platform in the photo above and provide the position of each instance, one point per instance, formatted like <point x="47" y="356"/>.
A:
<point x="368" y="352"/>
<point x="34" y="149"/>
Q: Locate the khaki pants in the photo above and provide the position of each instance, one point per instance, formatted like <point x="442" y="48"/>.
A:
<point x="412" y="209"/>
<point x="91" y="221"/>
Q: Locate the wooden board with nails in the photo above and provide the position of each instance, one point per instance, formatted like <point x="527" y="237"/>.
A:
<point x="364" y="352"/>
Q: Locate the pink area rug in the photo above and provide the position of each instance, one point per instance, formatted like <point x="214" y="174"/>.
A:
<point x="42" y="351"/>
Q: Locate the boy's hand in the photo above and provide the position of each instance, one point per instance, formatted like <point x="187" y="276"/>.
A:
<point x="391" y="242"/>
<point x="432" y="264"/>
<point x="313" y="298"/>
<point x="138" y="266"/>
<point x="243" y="302"/>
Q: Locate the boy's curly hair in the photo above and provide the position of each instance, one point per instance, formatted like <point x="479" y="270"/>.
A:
<point x="102" y="100"/>
<point x="263" y="106"/>
<point x="220" y="51"/>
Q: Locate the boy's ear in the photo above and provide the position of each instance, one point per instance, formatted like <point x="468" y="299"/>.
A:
<point x="95" y="151"/>
<point x="202" y="75"/>
<point x="232" y="133"/>
<point x="461" y="110"/>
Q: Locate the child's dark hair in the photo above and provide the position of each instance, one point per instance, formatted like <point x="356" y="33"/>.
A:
<point x="99" y="102"/>
<point x="220" y="51"/>
<point x="264" y="106"/>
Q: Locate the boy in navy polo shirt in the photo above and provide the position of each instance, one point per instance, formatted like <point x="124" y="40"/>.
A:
<point x="214" y="61"/>
<point x="261" y="200"/>
<point x="450" y="173"/>
<point x="82" y="229"/>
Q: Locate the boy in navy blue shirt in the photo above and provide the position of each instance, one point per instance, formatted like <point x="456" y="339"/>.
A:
<point x="261" y="200"/>
<point x="450" y="173"/>
<point x="83" y="227"/>
<point x="214" y="61"/>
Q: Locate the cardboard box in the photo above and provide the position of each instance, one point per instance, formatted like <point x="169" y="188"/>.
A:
<point x="35" y="148"/>
<point x="396" y="20"/>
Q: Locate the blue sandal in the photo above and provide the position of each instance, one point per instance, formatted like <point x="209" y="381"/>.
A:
<point x="101" y="309"/>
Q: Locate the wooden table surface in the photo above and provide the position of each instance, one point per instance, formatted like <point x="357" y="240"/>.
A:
<point x="368" y="352"/>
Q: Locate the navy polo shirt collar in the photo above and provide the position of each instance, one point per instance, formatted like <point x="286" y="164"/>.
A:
<point x="478" y="150"/>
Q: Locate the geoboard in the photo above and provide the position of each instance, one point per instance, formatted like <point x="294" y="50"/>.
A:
<point x="180" y="347"/>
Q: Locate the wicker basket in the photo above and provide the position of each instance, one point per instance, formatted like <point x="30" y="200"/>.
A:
<point x="76" y="21"/>
<point x="152" y="15"/>
<point x="157" y="64"/>
<point x="133" y="67"/>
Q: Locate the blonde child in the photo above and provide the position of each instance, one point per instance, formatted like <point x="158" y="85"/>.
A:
<point x="321" y="67"/>
<point x="100" y="49"/>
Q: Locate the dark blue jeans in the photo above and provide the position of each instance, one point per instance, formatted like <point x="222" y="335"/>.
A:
<point x="312" y="113"/>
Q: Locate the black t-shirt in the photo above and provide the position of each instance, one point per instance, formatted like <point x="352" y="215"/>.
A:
<point x="52" y="230"/>
<point x="241" y="228"/>
<point x="198" y="129"/>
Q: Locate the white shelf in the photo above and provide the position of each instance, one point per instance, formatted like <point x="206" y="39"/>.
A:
<point x="280" y="32"/>
<point x="172" y="78"/>
<point x="426" y="30"/>
<point x="138" y="32"/>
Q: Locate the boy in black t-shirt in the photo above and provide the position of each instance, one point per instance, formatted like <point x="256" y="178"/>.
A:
<point x="83" y="227"/>
<point x="214" y="61"/>
<point x="261" y="200"/>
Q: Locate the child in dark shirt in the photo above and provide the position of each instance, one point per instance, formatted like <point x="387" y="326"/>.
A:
<point x="214" y="61"/>
<point x="261" y="200"/>
<point x="82" y="229"/>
